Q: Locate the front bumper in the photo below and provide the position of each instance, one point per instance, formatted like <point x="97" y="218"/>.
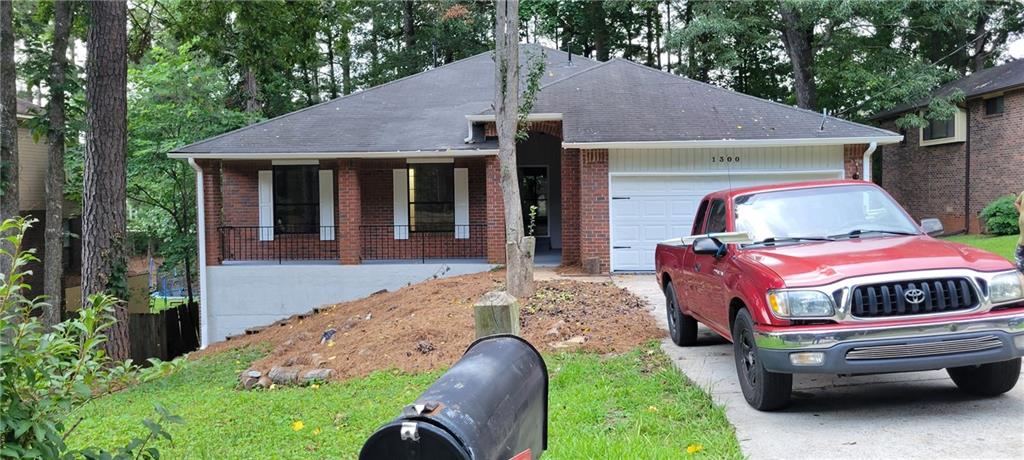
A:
<point x="906" y="348"/>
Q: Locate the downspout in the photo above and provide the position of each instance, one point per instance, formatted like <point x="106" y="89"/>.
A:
<point x="967" y="174"/>
<point x="204" y="310"/>
<point x="867" y="160"/>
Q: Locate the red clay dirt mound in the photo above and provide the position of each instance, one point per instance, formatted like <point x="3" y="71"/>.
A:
<point x="427" y="326"/>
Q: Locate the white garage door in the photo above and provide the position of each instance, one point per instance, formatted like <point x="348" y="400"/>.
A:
<point x="649" y="205"/>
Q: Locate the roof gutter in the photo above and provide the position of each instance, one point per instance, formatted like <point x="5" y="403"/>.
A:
<point x="204" y="307"/>
<point x="329" y="155"/>
<point x="867" y="161"/>
<point x="879" y="140"/>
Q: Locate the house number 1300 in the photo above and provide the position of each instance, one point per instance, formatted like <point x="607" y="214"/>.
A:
<point x="725" y="159"/>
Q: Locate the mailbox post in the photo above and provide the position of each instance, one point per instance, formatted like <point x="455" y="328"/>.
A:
<point x="491" y="405"/>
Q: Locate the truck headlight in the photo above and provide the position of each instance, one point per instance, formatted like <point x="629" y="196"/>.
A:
<point x="801" y="304"/>
<point x="1006" y="287"/>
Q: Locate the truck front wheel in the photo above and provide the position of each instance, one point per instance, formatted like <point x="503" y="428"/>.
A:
<point x="682" y="328"/>
<point x="763" y="390"/>
<point x="987" y="379"/>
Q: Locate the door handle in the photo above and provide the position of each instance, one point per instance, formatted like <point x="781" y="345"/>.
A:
<point x="696" y="267"/>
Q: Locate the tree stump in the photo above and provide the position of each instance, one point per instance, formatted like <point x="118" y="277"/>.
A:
<point x="497" y="312"/>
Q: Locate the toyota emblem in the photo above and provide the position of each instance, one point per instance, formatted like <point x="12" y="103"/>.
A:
<point x="914" y="296"/>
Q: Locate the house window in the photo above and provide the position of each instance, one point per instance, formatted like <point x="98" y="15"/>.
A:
<point x="431" y="197"/>
<point x="994" y="106"/>
<point x="533" y="188"/>
<point x="939" y="129"/>
<point x="296" y="199"/>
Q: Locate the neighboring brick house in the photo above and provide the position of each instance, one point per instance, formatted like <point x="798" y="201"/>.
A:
<point x="953" y="169"/>
<point x="400" y="182"/>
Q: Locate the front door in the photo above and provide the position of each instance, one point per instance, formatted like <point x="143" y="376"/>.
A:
<point x="534" y="191"/>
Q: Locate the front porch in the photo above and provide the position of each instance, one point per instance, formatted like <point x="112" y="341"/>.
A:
<point x="357" y="211"/>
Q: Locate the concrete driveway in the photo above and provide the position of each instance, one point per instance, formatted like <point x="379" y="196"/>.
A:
<point x="894" y="416"/>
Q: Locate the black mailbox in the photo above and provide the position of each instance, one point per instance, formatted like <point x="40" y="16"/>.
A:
<point x="491" y="405"/>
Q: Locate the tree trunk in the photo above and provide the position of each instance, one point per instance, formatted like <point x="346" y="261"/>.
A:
<point x="649" y="25"/>
<point x="104" y="263"/>
<point x="53" y="259"/>
<point x="251" y="92"/>
<point x="346" y="70"/>
<point x="408" y="30"/>
<point x="798" y="39"/>
<point x="332" y="77"/>
<point x="597" y="15"/>
<point x="668" y="35"/>
<point x="519" y="263"/>
<point x="8" y="126"/>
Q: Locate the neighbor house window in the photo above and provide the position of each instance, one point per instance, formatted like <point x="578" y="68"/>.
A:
<point x="994" y="106"/>
<point x="431" y="197"/>
<point x="939" y="129"/>
<point x="296" y="199"/>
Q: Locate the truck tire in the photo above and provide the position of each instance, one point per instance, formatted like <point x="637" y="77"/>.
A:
<point x="763" y="390"/>
<point x="682" y="328"/>
<point x="987" y="379"/>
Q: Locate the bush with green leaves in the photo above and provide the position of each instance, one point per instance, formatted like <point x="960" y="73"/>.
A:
<point x="1001" y="217"/>
<point x="46" y="373"/>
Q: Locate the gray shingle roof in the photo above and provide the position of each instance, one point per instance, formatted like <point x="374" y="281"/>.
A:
<point x="990" y="80"/>
<point x="614" y="101"/>
<point x="621" y="101"/>
<point x="425" y="111"/>
<point x="26" y="107"/>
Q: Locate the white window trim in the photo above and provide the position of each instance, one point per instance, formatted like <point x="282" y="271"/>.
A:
<point x="959" y="131"/>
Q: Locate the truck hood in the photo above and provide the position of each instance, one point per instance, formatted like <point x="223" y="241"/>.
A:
<point x="817" y="263"/>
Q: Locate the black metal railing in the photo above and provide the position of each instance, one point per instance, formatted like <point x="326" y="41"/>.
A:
<point x="402" y="242"/>
<point x="278" y="244"/>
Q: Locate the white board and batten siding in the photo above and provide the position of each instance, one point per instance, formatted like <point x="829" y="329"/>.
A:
<point x="655" y="192"/>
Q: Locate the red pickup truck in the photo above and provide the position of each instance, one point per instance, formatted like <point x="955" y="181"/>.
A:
<point x="834" y="277"/>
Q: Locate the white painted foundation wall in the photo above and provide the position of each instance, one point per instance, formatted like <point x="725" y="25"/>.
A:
<point x="244" y="296"/>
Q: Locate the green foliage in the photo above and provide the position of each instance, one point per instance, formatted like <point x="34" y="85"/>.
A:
<point x="1002" y="245"/>
<point x="177" y="98"/>
<point x="533" y="220"/>
<point x="602" y="406"/>
<point x="534" y="73"/>
<point x="1001" y="217"/>
<point x="46" y="374"/>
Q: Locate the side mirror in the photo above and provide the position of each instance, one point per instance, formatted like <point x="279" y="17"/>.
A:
<point x="709" y="246"/>
<point x="933" y="227"/>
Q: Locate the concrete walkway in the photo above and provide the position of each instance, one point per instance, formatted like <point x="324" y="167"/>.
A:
<point x="894" y="416"/>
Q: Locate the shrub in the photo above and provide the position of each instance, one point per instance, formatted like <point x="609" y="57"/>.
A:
<point x="1001" y="217"/>
<point x="47" y="372"/>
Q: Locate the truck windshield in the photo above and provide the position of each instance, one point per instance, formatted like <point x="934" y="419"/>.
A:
<point x="849" y="211"/>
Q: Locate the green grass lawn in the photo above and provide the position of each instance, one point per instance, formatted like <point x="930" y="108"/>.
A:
<point x="635" y="405"/>
<point x="1002" y="245"/>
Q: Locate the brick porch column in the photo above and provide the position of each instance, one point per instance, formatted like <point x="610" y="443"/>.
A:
<point x="570" y="206"/>
<point x="349" y="212"/>
<point x="594" y="235"/>
<point x="212" y="208"/>
<point x="495" y="213"/>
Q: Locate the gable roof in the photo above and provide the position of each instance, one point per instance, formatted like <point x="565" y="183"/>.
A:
<point x="27" y="108"/>
<point x="623" y="101"/>
<point x="993" y="79"/>
<point x="422" y="112"/>
<point x="614" y="101"/>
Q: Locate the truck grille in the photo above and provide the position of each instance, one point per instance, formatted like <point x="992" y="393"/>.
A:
<point x="917" y="350"/>
<point x="898" y="298"/>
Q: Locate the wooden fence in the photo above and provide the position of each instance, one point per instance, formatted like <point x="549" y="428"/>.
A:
<point x="165" y="335"/>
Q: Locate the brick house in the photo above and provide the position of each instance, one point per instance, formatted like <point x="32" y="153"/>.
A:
<point x="400" y="182"/>
<point x="953" y="168"/>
